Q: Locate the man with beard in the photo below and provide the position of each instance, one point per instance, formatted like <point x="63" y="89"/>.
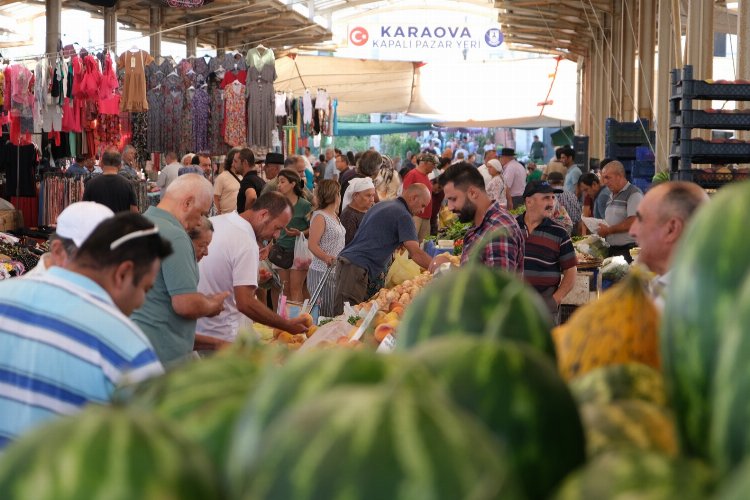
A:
<point x="464" y="191"/>
<point x="550" y="259"/>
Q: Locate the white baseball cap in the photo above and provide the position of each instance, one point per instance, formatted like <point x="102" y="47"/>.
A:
<point x="79" y="220"/>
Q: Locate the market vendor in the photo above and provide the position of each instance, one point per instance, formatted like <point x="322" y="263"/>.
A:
<point x="621" y="209"/>
<point x="659" y="224"/>
<point x="549" y="257"/>
<point x="386" y="226"/>
<point x="465" y="194"/>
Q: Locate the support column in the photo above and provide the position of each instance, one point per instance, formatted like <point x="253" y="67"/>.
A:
<point x="191" y="41"/>
<point x="646" y="48"/>
<point x="614" y="50"/>
<point x="608" y="101"/>
<point x="743" y="52"/>
<point x="579" y="127"/>
<point x="155" y="27"/>
<point x="54" y="20"/>
<point x="221" y="42"/>
<point x="110" y="28"/>
<point x="666" y="62"/>
<point x="596" y="135"/>
<point x="627" y="59"/>
<point x="700" y="47"/>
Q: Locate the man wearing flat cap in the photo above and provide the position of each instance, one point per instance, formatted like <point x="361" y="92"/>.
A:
<point x="514" y="174"/>
<point x="549" y="257"/>
<point x="426" y="163"/>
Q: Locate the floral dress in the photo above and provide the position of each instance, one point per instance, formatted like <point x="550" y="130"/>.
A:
<point x="234" y="114"/>
<point x="171" y="127"/>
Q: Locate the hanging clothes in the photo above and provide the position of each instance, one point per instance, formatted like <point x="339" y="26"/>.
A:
<point x="155" y="98"/>
<point x="134" y="88"/>
<point x="186" y="124"/>
<point x="234" y="62"/>
<point x="261" y="73"/>
<point x="201" y="66"/>
<point x="108" y="81"/>
<point x="233" y="76"/>
<point x="216" y="143"/>
<point x="139" y="140"/>
<point x="307" y="108"/>
<point x="234" y="114"/>
<point x="171" y="130"/>
<point x="19" y="164"/>
<point x="19" y="85"/>
<point x="201" y="111"/>
<point x="280" y="108"/>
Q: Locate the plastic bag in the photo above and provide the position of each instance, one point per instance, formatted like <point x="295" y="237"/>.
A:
<point x="402" y="269"/>
<point x="302" y="254"/>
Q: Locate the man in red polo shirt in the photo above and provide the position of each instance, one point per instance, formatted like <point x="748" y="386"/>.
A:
<point x="426" y="163"/>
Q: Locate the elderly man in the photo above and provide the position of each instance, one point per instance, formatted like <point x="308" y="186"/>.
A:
<point x="386" y="226"/>
<point x="330" y="172"/>
<point x="426" y="163"/>
<point x="74" y="225"/>
<point x="659" y="223"/>
<point x="169" y="173"/>
<point x="514" y="174"/>
<point x="65" y="336"/>
<point x="621" y="210"/>
<point x="111" y="189"/>
<point x="128" y="169"/>
<point x="173" y="305"/>
<point x="232" y="264"/>
<point x="549" y="257"/>
<point x="489" y="154"/>
<point x="465" y="194"/>
<point x="201" y="236"/>
<point x="274" y="164"/>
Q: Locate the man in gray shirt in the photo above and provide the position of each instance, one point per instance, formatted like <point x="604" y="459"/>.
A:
<point x="621" y="210"/>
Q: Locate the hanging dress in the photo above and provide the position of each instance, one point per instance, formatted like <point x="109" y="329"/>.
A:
<point x="134" y="88"/>
<point x="201" y="110"/>
<point x="261" y="73"/>
<point x="171" y="127"/>
<point x="155" y="98"/>
<point x="216" y="144"/>
<point x="234" y="114"/>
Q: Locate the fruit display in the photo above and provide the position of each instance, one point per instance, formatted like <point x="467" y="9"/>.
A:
<point x="708" y="269"/>
<point x="393" y="442"/>
<point x="106" y="452"/>
<point x="621" y="327"/>
<point x="629" y="423"/>
<point x="518" y="394"/>
<point x="615" y="382"/>
<point x="636" y="474"/>
<point x="477" y="300"/>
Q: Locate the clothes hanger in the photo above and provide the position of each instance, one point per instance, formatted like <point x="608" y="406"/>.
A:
<point x="133" y="48"/>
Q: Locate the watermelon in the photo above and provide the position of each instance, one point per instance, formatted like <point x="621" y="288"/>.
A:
<point x="518" y="394"/>
<point x="477" y="300"/>
<point x="627" y="381"/>
<point x="395" y="442"/>
<point x="708" y="270"/>
<point x="736" y="485"/>
<point x="638" y="475"/>
<point x="202" y="399"/>
<point x="629" y="423"/>
<point x="106" y="452"/>
<point x="307" y="375"/>
<point x="730" y="434"/>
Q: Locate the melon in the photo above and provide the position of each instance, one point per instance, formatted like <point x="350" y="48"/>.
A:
<point x="106" y="452"/>
<point x="373" y="443"/>
<point x="626" y="381"/>
<point x="518" y="394"/>
<point x="480" y="301"/>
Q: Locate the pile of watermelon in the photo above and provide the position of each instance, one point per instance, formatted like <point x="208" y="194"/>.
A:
<point x="479" y="401"/>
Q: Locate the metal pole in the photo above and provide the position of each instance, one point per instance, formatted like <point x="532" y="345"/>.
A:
<point x="54" y="19"/>
<point x="663" y="85"/>
<point x="627" y="60"/>
<point x="646" y="48"/>
<point x="155" y="27"/>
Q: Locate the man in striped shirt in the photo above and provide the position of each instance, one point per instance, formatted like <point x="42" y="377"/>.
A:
<point x="550" y="259"/>
<point x="65" y="337"/>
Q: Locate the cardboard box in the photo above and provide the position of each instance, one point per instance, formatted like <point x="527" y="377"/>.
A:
<point x="10" y="220"/>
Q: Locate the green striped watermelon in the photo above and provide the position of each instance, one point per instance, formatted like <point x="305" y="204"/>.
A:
<point x="110" y="453"/>
<point x="730" y="425"/>
<point x="627" y="381"/>
<point x="629" y="423"/>
<point x="307" y="375"/>
<point x="202" y="399"/>
<point x="708" y="269"/>
<point x="477" y="300"/>
<point x="518" y="394"/>
<point x="638" y="475"/>
<point x="394" y="442"/>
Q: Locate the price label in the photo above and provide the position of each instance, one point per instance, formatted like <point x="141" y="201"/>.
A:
<point x="132" y="62"/>
<point x="387" y="345"/>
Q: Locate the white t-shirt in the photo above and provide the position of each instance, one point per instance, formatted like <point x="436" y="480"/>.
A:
<point x="232" y="260"/>
<point x="167" y="175"/>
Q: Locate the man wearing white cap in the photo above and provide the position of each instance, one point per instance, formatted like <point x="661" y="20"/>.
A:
<point x="359" y="197"/>
<point x="74" y="225"/>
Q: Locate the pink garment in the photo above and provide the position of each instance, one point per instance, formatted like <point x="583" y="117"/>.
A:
<point x="77" y="64"/>
<point x="110" y="105"/>
<point x="108" y="81"/>
<point x="92" y="77"/>
<point x="71" y="121"/>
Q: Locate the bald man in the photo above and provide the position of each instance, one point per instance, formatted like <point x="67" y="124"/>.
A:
<point x="659" y="223"/>
<point x="620" y="212"/>
<point x="386" y="226"/>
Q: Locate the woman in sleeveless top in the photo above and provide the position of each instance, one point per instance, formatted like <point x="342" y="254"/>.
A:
<point x="325" y="242"/>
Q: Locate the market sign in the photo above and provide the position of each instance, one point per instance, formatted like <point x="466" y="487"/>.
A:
<point x="402" y="37"/>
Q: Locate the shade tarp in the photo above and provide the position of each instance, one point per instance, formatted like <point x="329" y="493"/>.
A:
<point x="524" y="122"/>
<point x="361" y="86"/>
<point x="364" y="129"/>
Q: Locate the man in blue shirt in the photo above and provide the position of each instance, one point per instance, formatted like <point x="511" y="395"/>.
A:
<point x="386" y="226"/>
<point x="78" y="168"/>
<point x="567" y="158"/>
<point x="66" y="335"/>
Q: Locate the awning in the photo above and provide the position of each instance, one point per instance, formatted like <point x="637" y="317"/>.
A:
<point x="525" y="122"/>
<point x="563" y="137"/>
<point x="364" y="129"/>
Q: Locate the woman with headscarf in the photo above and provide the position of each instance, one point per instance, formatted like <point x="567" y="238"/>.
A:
<point x="496" y="188"/>
<point x="359" y="197"/>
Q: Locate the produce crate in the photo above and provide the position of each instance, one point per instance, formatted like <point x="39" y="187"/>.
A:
<point x="643" y="184"/>
<point x="644" y="153"/>
<point x="708" y="119"/>
<point x="619" y="152"/>
<point x="700" y="151"/>
<point x="643" y="169"/>
<point x="715" y="180"/>
<point x="626" y="132"/>
<point x="699" y="89"/>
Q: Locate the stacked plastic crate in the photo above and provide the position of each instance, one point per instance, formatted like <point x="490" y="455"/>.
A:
<point x="632" y="143"/>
